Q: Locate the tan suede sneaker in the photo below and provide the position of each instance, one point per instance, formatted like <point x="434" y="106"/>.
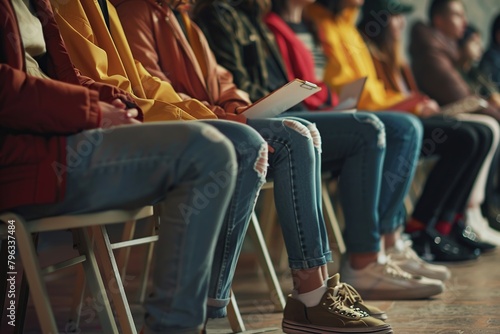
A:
<point x="329" y="316"/>
<point x="352" y="299"/>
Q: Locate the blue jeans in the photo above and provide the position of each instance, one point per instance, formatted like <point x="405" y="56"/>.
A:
<point x="295" y="168"/>
<point x="164" y="164"/>
<point x="375" y="157"/>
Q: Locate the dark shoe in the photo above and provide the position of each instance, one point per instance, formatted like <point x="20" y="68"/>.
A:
<point x="433" y="246"/>
<point x="329" y="316"/>
<point x="464" y="235"/>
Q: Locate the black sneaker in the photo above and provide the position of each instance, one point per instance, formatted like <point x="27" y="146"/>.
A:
<point x="464" y="235"/>
<point x="433" y="246"/>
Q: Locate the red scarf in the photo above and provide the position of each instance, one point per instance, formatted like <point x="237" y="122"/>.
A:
<point x="299" y="62"/>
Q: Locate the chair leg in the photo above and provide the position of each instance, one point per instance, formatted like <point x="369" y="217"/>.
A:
<point x="113" y="279"/>
<point x="97" y="287"/>
<point x="270" y="274"/>
<point x="332" y="224"/>
<point x="141" y="294"/>
<point x="78" y="294"/>
<point x="234" y="316"/>
<point x="124" y="253"/>
<point x="34" y="277"/>
<point x="268" y="214"/>
<point x="22" y="305"/>
<point x="24" y="293"/>
<point x="270" y="226"/>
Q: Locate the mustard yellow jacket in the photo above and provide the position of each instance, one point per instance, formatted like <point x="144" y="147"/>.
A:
<point x="104" y="55"/>
<point x="348" y="57"/>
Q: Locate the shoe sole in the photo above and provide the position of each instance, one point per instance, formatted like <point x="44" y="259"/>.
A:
<point x="441" y="276"/>
<point x="381" y="316"/>
<point x="405" y="294"/>
<point x="291" y="327"/>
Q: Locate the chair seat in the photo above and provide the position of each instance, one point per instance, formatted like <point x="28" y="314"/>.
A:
<point x="79" y="220"/>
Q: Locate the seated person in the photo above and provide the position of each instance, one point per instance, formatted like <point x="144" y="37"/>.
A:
<point x="490" y="63"/>
<point x="242" y="27"/>
<point x="293" y="163"/>
<point x="435" y="55"/>
<point x="394" y="72"/>
<point x="297" y="39"/>
<point x="470" y="47"/>
<point x="48" y="111"/>
<point x="450" y="181"/>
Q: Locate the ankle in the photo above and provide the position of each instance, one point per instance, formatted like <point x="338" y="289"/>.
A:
<point x="359" y="261"/>
<point x="307" y="280"/>
<point x="311" y="298"/>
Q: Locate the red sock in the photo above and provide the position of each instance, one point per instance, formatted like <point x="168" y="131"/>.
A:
<point x="444" y="227"/>
<point x="414" y="225"/>
<point x="459" y="217"/>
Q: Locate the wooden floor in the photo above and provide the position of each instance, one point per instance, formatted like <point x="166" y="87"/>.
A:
<point x="470" y="304"/>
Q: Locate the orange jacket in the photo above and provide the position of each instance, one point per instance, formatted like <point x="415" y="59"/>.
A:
<point x="158" y="42"/>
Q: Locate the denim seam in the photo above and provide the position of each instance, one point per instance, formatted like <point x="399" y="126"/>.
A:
<point x="294" y="201"/>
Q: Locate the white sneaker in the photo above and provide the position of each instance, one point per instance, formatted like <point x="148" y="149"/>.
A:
<point x="475" y="219"/>
<point x="405" y="257"/>
<point x="386" y="281"/>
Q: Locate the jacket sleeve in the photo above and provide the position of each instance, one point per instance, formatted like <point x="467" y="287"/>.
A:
<point x="433" y="69"/>
<point x="30" y="104"/>
<point x="138" y="26"/>
<point x="108" y="93"/>
<point x="442" y="81"/>
<point x="219" y="25"/>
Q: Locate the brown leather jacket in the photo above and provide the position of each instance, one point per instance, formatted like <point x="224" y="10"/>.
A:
<point x="434" y="60"/>
<point x="158" y="42"/>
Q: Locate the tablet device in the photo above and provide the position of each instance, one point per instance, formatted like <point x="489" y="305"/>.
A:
<point x="350" y="94"/>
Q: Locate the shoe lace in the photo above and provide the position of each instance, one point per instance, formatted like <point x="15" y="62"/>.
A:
<point x="395" y="271"/>
<point x="409" y="252"/>
<point x="350" y="296"/>
<point x="337" y="299"/>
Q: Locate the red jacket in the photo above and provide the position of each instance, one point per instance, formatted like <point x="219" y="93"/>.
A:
<point x="36" y="114"/>
<point x="299" y="61"/>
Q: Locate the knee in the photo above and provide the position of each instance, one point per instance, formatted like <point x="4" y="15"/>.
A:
<point x="411" y="125"/>
<point x="373" y="130"/>
<point x="306" y="129"/>
<point x="251" y="148"/>
<point x="299" y="131"/>
<point x="467" y="138"/>
<point x="220" y="147"/>
<point x="485" y="137"/>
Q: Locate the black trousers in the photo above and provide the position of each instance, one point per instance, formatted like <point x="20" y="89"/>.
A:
<point x="460" y="148"/>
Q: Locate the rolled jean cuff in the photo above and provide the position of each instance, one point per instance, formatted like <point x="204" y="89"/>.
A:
<point x="311" y="263"/>
<point x="216" y="308"/>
